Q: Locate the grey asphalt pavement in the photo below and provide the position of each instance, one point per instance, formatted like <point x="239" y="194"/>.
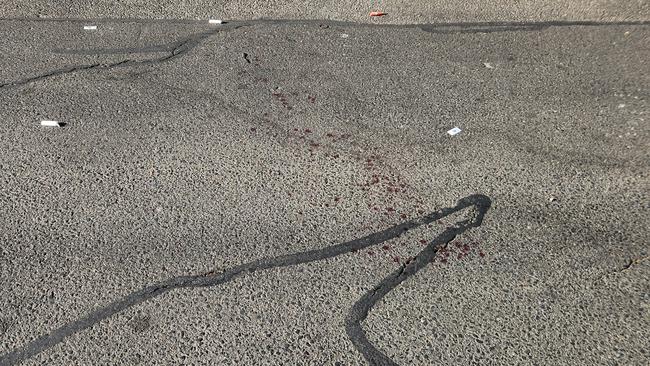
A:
<point x="398" y="11"/>
<point x="191" y="209"/>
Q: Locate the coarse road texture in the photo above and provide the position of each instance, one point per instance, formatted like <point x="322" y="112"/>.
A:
<point x="398" y="11"/>
<point x="237" y="194"/>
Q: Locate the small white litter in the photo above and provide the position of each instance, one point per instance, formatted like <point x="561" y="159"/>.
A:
<point x="50" y="124"/>
<point x="488" y="65"/>
<point x="215" y="21"/>
<point x="90" y="27"/>
<point x="621" y="105"/>
<point x="454" y="131"/>
<point x="344" y="35"/>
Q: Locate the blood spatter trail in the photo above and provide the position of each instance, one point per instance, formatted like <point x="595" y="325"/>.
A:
<point x="356" y="315"/>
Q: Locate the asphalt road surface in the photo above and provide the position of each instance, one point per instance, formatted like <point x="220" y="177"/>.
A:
<point x="287" y="193"/>
<point x="399" y="11"/>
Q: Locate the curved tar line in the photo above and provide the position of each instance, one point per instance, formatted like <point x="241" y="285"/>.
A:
<point x="356" y="315"/>
<point x="174" y="50"/>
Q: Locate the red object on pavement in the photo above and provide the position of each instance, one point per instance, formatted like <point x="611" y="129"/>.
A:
<point x="377" y="13"/>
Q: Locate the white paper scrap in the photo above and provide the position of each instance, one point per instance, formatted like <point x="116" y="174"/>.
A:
<point x="454" y="131"/>
<point x="90" y="27"/>
<point x="215" y="21"/>
<point x="50" y="124"/>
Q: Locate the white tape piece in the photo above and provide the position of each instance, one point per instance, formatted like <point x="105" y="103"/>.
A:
<point x="90" y="27"/>
<point x="215" y="21"/>
<point x="50" y="124"/>
<point x="454" y="131"/>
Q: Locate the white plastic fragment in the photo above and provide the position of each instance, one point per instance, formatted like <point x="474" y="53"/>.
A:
<point x="90" y="27"/>
<point x="488" y="65"/>
<point x="215" y="21"/>
<point x="50" y="123"/>
<point x="454" y="131"/>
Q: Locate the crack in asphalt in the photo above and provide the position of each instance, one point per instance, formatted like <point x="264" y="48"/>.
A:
<point x="174" y="50"/>
<point x="631" y="263"/>
<point x="356" y="315"/>
<point x="182" y="47"/>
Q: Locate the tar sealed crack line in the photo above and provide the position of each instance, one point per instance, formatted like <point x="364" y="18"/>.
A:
<point x="356" y="315"/>
<point x="172" y="51"/>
